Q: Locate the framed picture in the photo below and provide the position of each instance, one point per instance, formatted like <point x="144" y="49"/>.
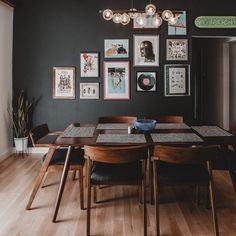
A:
<point x="116" y="80"/>
<point x="116" y="48"/>
<point x="146" y="50"/>
<point x="89" y="64"/>
<point x="180" y="28"/>
<point x="89" y="90"/>
<point x="177" y="49"/>
<point x="146" y="81"/>
<point x="63" y="81"/>
<point x="146" y="22"/>
<point x="177" y="80"/>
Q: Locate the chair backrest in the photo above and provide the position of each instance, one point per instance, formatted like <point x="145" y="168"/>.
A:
<point x="169" y="119"/>
<point x="185" y="155"/>
<point x="116" y="154"/>
<point x="117" y="119"/>
<point x="38" y="132"/>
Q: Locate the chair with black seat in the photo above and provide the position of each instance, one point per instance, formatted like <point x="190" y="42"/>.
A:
<point x="176" y="166"/>
<point x="115" y="165"/>
<point x="42" y="137"/>
<point x="117" y="119"/>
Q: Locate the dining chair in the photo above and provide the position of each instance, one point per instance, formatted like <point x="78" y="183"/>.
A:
<point x="169" y="119"/>
<point x="117" y="119"/>
<point x="42" y="137"/>
<point x="115" y="165"/>
<point x="176" y="166"/>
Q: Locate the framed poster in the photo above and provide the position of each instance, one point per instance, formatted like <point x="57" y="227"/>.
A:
<point x="116" y="48"/>
<point x="145" y="21"/>
<point x="177" y="49"/>
<point x="177" y="80"/>
<point x="116" y="80"/>
<point x="63" y="82"/>
<point x="89" y="90"/>
<point x="89" y="64"/>
<point x="146" y="81"/>
<point x="180" y="28"/>
<point x="146" y="50"/>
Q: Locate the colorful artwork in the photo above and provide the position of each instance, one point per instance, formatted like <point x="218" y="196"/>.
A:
<point x="116" y="48"/>
<point x="180" y="28"/>
<point x="89" y="64"/>
<point x="177" y="49"/>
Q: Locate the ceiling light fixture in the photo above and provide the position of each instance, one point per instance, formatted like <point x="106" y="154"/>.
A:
<point x="158" y="16"/>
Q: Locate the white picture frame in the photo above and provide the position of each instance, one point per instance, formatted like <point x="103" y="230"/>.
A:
<point x="89" y="64"/>
<point x="146" y="50"/>
<point x="176" y="49"/>
<point x="89" y="90"/>
<point x="116" y="48"/>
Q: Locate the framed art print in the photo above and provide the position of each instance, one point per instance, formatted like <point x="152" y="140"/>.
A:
<point x="145" y="21"/>
<point x="63" y="82"/>
<point x="146" y="50"/>
<point x="89" y="90"/>
<point x="177" y="80"/>
<point x="116" y="48"/>
<point x="180" y="28"/>
<point x="146" y="81"/>
<point x="116" y="80"/>
<point x="177" y="49"/>
<point x="89" y="64"/>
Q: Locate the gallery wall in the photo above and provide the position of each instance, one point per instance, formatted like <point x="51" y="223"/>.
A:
<point x="53" y="33"/>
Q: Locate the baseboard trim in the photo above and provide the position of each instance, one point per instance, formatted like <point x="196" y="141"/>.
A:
<point x="6" y="154"/>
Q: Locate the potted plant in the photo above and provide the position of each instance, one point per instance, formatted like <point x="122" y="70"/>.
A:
<point x="20" y="117"/>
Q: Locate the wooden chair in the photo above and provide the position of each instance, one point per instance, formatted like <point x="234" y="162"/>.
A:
<point x="169" y="119"/>
<point x="117" y="119"/>
<point x="115" y="166"/>
<point x="174" y="166"/>
<point x="42" y="137"/>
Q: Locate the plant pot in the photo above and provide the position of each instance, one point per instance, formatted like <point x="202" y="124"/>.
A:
<point x="21" y="144"/>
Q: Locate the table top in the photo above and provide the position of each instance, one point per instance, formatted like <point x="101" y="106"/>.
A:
<point x="117" y="134"/>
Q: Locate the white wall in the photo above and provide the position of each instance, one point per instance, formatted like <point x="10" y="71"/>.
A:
<point x="6" y="38"/>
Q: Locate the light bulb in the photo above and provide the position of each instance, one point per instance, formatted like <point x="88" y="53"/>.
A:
<point x="167" y="14"/>
<point x="141" y="20"/>
<point x="107" y="14"/>
<point x="133" y="13"/>
<point x="125" y="19"/>
<point x="150" y="9"/>
<point x="116" y="18"/>
<point x="157" y="20"/>
<point x="173" y="20"/>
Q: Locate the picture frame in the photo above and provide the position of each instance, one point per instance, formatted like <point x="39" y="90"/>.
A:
<point x="146" y="50"/>
<point x="180" y="28"/>
<point x="177" y="49"/>
<point x="146" y="81"/>
<point x="89" y="90"/>
<point x="89" y="64"/>
<point x="63" y="82"/>
<point x="177" y="80"/>
<point x="116" y="48"/>
<point x="116" y="80"/>
<point x="148" y="23"/>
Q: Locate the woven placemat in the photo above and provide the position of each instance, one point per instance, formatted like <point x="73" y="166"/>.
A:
<point x="172" y="126"/>
<point x="78" y="132"/>
<point x="121" y="138"/>
<point x="114" y="126"/>
<point x="211" y="131"/>
<point x="176" y="137"/>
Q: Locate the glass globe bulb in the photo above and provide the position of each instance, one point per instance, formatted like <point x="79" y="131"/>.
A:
<point x="133" y="13"/>
<point x="167" y="14"/>
<point x="157" y="21"/>
<point x="107" y="14"/>
<point x="141" y="20"/>
<point x="116" y="18"/>
<point x="150" y="9"/>
<point x="173" y="20"/>
<point x="125" y="19"/>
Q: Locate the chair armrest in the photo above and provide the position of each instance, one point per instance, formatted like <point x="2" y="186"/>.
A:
<point x="55" y="133"/>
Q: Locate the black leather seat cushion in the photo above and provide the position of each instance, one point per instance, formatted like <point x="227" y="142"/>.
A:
<point x="47" y="139"/>
<point x="103" y="172"/>
<point x="59" y="156"/>
<point x="169" y="173"/>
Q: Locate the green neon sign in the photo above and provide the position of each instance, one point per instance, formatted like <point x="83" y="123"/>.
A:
<point x="216" y="22"/>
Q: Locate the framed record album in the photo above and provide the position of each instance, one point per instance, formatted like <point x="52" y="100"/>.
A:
<point x="146" y="81"/>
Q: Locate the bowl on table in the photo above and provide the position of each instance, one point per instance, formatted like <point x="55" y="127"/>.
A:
<point x="145" y="125"/>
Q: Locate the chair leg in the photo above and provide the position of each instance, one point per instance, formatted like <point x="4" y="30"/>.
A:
<point x="212" y="198"/>
<point x="140" y="187"/>
<point x="81" y="186"/>
<point x="198" y="192"/>
<point x="44" y="180"/>
<point x="95" y="194"/>
<point x="74" y="175"/>
<point x="156" y="194"/>
<point x="144" y="200"/>
<point x="88" y="196"/>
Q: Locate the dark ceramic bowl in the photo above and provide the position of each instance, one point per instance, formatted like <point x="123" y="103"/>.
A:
<point x="145" y="125"/>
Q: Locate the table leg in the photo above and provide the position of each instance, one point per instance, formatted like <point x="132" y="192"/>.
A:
<point x="41" y="175"/>
<point x="62" y="183"/>
<point x="150" y="177"/>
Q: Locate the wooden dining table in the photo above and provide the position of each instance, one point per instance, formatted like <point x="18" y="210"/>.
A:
<point x="172" y="134"/>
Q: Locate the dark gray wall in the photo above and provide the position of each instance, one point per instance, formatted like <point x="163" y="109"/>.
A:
<point x="232" y="82"/>
<point x="52" y="33"/>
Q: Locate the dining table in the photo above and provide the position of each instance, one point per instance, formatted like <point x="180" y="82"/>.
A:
<point x="78" y="135"/>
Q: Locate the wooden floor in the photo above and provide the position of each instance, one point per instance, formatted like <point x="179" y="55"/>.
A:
<point x="115" y="216"/>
